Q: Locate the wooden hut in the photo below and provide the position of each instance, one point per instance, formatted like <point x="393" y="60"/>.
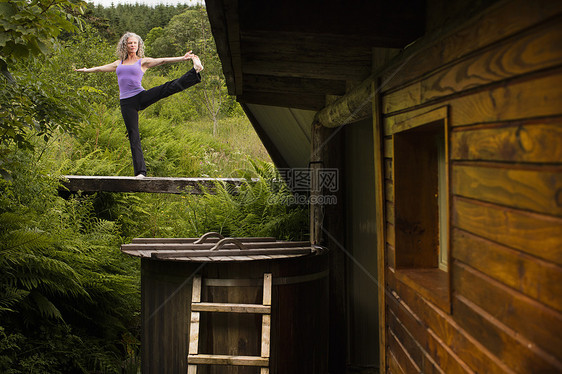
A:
<point x="444" y="122"/>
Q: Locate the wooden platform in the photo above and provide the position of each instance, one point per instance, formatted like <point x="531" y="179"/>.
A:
<point x="194" y="186"/>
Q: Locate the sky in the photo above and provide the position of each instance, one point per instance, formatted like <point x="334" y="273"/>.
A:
<point x="107" y="3"/>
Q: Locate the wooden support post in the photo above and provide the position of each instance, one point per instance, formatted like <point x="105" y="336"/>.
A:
<point x="327" y="225"/>
<point x="380" y="222"/>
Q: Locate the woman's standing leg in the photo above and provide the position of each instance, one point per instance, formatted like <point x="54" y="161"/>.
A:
<point x="131" y="117"/>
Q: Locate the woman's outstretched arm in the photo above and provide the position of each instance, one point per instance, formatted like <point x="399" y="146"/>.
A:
<point x="103" y="68"/>
<point x="149" y="62"/>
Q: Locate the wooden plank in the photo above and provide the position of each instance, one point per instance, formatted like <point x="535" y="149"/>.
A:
<point x="541" y="48"/>
<point x="217" y="19"/>
<point x="206" y="359"/>
<point x="267" y="280"/>
<point x="380" y="222"/>
<point x="537" y="189"/>
<point x="532" y="233"/>
<point x="515" y="101"/>
<point x="532" y="96"/>
<point x="389" y="211"/>
<point x="231" y="308"/>
<point x="447" y="333"/>
<point x="409" y="343"/>
<point x="538" y="49"/>
<point x="247" y="239"/>
<point x="425" y="118"/>
<point x="297" y="101"/>
<point x="265" y="335"/>
<point x="402" y="355"/>
<point x="506" y="344"/>
<point x="194" y="325"/>
<point x="390" y="236"/>
<point x="191" y="369"/>
<point x="232" y="252"/>
<point x="390" y="257"/>
<point x="529" y="320"/>
<point x="496" y="23"/>
<point x="389" y="190"/>
<point x="316" y="69"/>
<point x="430" y="283"/>
<point x="165" y="315"/>
<point x="388" y="147"/>
<point x="378" y="25"/>
<point x="229" y="245"/>
<point x="233" y="36"/>
<point x="289" y="85"/>
<point x="436" y="355"/>
<point x="393" y="365"/>
<point x="388" y="169"/>
<point x="193" y="186"/>
<point x="407" y="97"/>
<point x="527" y="274"/>
<point x="535" y="141"/>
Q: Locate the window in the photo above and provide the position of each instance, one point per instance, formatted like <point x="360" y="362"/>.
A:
<point x="421" y="208"/>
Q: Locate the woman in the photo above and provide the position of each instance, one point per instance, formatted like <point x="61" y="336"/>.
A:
<point x="133" y="97"/>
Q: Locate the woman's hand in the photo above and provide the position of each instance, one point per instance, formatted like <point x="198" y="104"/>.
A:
<point x="188" y="56"/>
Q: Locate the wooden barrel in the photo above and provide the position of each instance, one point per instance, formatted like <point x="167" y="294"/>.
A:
<point x="299" y="310"/>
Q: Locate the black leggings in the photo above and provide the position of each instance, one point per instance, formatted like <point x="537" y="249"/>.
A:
<point x="130" y="110"/>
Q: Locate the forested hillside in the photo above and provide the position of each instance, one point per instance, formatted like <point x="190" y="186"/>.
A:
<point x="69" y="299"/>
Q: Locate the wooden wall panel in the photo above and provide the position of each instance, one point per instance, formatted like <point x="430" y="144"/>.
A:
<point x="534" y="234"/>
<point x="524" y="316"/>
<point x="501" y="21"/>
<point x="393" y="365"/>
<point x="534" y="141"/>
<point x="536" y="189"/>
<point x="435" y="355"/>
<point x="516" y="101"/>
<point x="443" y="331"/>
<point x="501" y="342"/>
<point x="529" y="275"/>
<point x="402" y="354"/>
<point x="539" y="49"/>
<point x="498" y="79"/>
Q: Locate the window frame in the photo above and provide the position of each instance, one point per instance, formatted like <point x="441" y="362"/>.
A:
<point x="424" y="275"/>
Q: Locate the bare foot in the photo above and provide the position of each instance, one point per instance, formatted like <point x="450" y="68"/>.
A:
<point x="197" y="63"/>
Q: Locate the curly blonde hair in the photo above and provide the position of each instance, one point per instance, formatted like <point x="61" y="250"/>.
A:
<point x="121" y="50"/>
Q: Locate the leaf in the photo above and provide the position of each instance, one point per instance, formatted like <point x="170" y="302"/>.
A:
<point x="45" y="307"/>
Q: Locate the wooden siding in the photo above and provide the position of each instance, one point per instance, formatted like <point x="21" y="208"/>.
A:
<point x="499" y="78"/>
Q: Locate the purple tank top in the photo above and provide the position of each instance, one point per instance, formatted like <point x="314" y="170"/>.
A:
<point x="129" y="78"/>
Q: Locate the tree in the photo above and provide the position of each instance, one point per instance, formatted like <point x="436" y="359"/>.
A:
<point x="29" y="29"/>
<point x="191" y="30"/>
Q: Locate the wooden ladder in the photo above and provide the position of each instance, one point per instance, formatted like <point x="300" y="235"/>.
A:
<point x="195" y="358"/>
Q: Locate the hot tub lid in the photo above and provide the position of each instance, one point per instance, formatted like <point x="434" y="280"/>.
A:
<point x="213" y="247"/>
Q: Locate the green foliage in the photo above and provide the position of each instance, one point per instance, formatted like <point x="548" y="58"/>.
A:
<point x="28" y="26"/>
<point x="258" y="208"/>
<point x="137" y="18"/>
<point x="69" y="299"/>
<point x="36" y="106"/>
<point x="65" y="288"/>
<point x="30" y="105"/>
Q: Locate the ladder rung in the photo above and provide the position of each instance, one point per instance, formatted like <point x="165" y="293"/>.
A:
<point x="231" y="308"/>
<point x="227" y="360"/>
